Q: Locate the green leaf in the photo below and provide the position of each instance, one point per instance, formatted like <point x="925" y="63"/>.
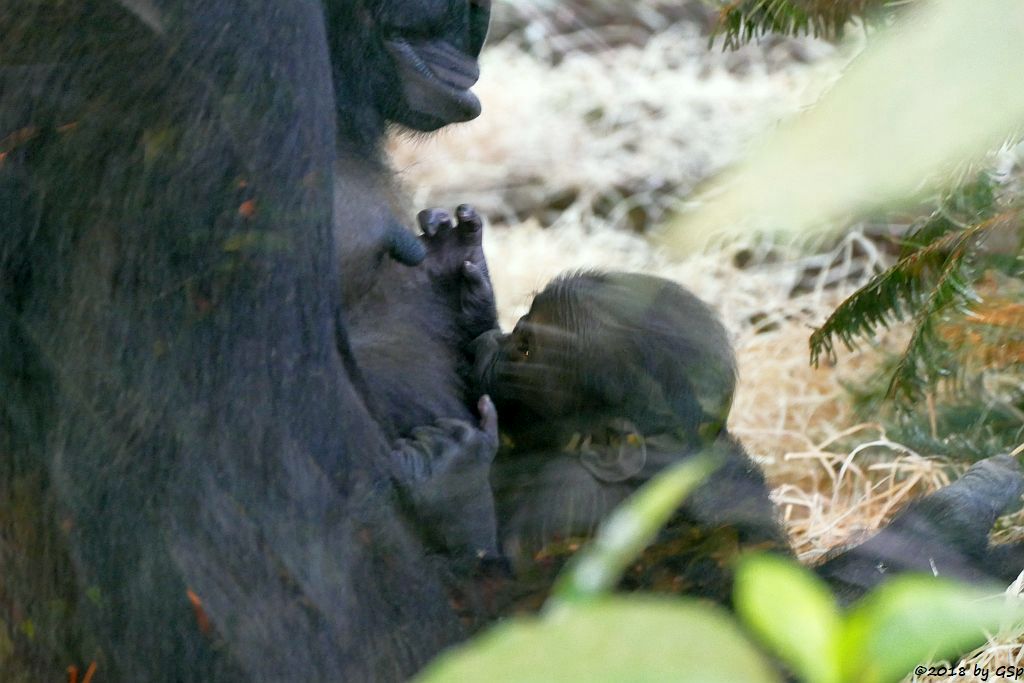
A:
<point x="928" y="92"/>
<point x="617" y="640"/>
<point x="793" y="612"/>
<point x="915" y="619"/>
<point x="597" y="568"/>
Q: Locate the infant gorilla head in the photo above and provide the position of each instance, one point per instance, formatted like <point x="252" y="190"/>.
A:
<point x="602" y="346"/>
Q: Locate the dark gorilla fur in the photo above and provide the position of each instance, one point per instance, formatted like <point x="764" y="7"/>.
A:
<point x="196" y="482"/>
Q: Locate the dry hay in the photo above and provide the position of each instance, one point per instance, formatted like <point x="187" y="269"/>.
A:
<point x="631" y="128"/>
<point x="561" y="162"/>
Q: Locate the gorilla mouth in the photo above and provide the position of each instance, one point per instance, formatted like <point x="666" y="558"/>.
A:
<point x="436" y="81"/>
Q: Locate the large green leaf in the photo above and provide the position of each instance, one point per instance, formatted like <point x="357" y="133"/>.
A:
<point x="793" y="612"/>
<point x="915" y="619"/>
<point x="936" y="88"/>
<point x="616" y="640"/>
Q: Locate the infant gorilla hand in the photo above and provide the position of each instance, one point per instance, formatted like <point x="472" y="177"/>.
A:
<point x="444" y="471"/>
<point x="455" y="265"/>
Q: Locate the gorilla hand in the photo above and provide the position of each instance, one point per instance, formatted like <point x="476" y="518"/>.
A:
<point x="444" y="472"/>
<point x="455" y="265"/>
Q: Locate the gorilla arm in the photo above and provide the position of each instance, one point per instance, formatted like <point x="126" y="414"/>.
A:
<point x="945" y="534"/>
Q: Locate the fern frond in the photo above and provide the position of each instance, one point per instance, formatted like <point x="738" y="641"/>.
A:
<point x="905" y="289"/>
<point x="992" y="335"/>
<point x="971" y="202"/>
<point x="926" y="357"/>
<point x="884" y="300"/>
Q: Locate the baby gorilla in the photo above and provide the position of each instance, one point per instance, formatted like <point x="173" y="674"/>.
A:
<point x="609" y="379"/>
<point x="612" y="377"/>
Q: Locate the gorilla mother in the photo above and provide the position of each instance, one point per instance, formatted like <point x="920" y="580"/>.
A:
<point x="195" y="480"/>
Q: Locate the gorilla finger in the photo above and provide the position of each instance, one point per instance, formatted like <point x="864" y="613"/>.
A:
<point x="470" y="225"/>
<point x="434" y="221"/>
<point x="403" y="246"/>
<point x="468" y="217"/>
<point x="488" y="419"/>
<point x="459" y="430"/>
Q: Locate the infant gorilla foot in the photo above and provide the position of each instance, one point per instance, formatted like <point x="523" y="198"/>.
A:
<point x="455" y="265"/>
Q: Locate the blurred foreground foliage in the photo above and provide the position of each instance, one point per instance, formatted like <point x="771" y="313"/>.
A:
<point x="585" y="633"/>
